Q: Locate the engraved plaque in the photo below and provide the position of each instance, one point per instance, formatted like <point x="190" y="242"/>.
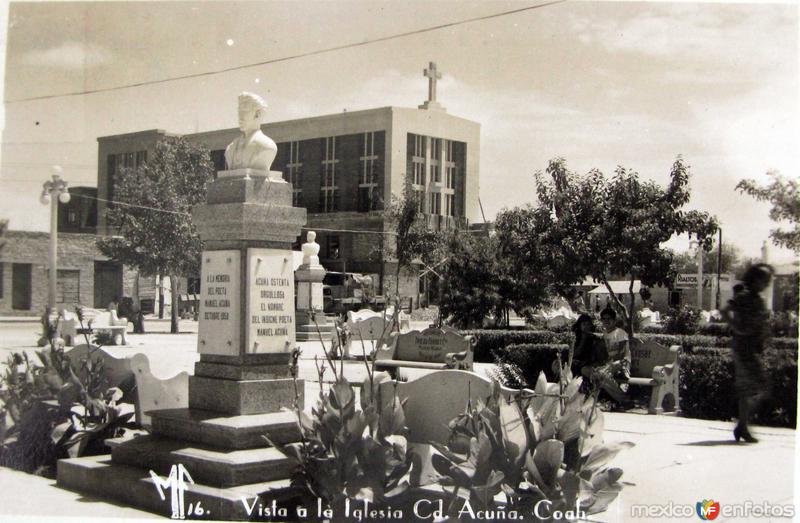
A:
<point x="218" y="332"/>
<point x="270" y="301"/>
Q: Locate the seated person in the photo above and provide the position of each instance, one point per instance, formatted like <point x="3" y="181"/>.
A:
<point x="613" y="376"/>
<point x="589" y="350"/>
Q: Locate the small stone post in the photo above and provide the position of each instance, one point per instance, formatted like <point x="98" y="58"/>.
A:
<point x="311" y="321"/>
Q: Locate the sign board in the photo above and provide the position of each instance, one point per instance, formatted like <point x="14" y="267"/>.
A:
<point x="218" y="332"/>
<point x="270" y="301"/>
<point x="689" y="281"/>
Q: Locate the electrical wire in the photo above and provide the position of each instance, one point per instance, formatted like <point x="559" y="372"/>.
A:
<point x="180" y="213"/>
<point x="293" y="57"/>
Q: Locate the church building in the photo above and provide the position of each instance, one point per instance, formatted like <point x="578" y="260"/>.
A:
<point x="344" y="169"/>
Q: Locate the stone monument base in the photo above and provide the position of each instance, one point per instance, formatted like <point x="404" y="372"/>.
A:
<point x="308" y="330"/>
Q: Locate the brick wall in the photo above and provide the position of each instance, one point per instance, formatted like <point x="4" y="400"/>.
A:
<point x="76" y="252"/>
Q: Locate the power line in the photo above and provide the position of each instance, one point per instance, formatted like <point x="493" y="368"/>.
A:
<point x="295" y="56"/>
<point x="181" y="213"/>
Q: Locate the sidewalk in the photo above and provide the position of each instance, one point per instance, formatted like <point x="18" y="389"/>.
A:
<point x="675" y="460"/>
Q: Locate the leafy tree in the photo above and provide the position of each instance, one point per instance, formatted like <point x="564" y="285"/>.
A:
<point x="602" y="228"/>
<point x="471" y="283"/>
<point x="409" y="238"/>
<point x="153" y="213"/>
<point x="525" y="260"/>
<point x="784" y="195"/>
<point x="686" y="262"/>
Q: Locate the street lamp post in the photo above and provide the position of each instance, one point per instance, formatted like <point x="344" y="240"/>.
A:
<point x="54" y="191"/>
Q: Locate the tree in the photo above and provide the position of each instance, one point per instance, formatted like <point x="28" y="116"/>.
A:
<point x="471" y="281"/>
<point x="604" y="228"/>
<point x="784" y="195"/>
<point x="527" y="267"/>
<point x="152" y="215"/>
<point x="686" y="262"/>
<point x="409" y="237"/>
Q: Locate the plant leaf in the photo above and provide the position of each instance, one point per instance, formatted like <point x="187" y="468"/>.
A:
<point x="547" y="457"/>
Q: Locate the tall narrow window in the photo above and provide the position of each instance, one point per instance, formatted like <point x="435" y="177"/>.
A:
<point x="436" y="160"/>
<point x="295" y="174"/>
<point x="449" y="205"/>
<point x="449" y="166"/>
<point x="418" y="171"/>
<point x="367" y="182"/>
<point x="328" y="197"/>
<point x="436" y="203"/>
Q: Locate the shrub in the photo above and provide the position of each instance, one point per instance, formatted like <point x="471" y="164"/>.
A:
<point x="50" y="409"/>
<point x="688" y="341"/>
<point x="714" y="329"/>
<point x="784" y="324"/>
<point x="489" y="341"/>
<point x="531" y="359"/>
<point x="707" y="386"/>
<point x="685" y="320"/>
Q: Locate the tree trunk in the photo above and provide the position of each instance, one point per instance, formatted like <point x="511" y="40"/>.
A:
<point x="173" y="283"/>
<point x="626" y="317"/>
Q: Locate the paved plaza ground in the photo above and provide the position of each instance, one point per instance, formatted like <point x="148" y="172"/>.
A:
<point x="676" y="461"/>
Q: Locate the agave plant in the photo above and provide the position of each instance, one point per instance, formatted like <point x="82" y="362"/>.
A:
<point x="347" y="452"/>
<point x="543" y="445"/>
<point x="47" y="411"/>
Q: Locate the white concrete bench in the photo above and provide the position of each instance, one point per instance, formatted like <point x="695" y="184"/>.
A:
<point x="656" y="366"/>
<point x="431" y="349"/>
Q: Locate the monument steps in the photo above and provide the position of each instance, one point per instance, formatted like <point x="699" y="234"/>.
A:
<point x="208" y="466"/>
<point x="133" y="486"/>
<point x="229" y="432"/>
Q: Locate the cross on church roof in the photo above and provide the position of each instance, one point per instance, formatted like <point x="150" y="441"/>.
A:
<point x="432" y="75"/>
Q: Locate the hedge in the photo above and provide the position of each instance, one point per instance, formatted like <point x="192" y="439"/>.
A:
<point x="707" y="386"/>
<point x="706" y="380"/>
<point x="489" y="341"/>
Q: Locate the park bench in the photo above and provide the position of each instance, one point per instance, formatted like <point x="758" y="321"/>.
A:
<point x="431" y="349"/>
<point x="365" y="326"/>
<point x="94" y="321"/>
<point x="656" y="366"/>
<point x="133" y="376"/>
<point x="154" y="393"/>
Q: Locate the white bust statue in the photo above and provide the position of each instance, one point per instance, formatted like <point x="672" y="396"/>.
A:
<point x="310" y="249"/>
<point x="253" y="149"/>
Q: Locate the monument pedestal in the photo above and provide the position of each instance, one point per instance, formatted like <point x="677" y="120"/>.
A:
<point x="242" y="381"/>
<point x="311" y="321"/>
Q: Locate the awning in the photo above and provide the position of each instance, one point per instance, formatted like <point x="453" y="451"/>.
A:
<point x="618" y="286"/>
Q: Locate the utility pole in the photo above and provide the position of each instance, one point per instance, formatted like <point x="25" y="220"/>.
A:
<point x="54" y="191"/>
<point x="719" y="265"/>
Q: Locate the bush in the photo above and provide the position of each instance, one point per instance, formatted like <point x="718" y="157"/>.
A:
<point x="783" y="324"/>
<point x="688" y="341"/>
<point x="707" y="386"/>
<point x="489" y="341"/>
<point x="685" y="320"/>
<point x="714" y="329"/>
<point x="530" y="359"/>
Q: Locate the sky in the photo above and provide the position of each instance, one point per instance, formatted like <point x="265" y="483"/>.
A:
<point x="600" y="84"/>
